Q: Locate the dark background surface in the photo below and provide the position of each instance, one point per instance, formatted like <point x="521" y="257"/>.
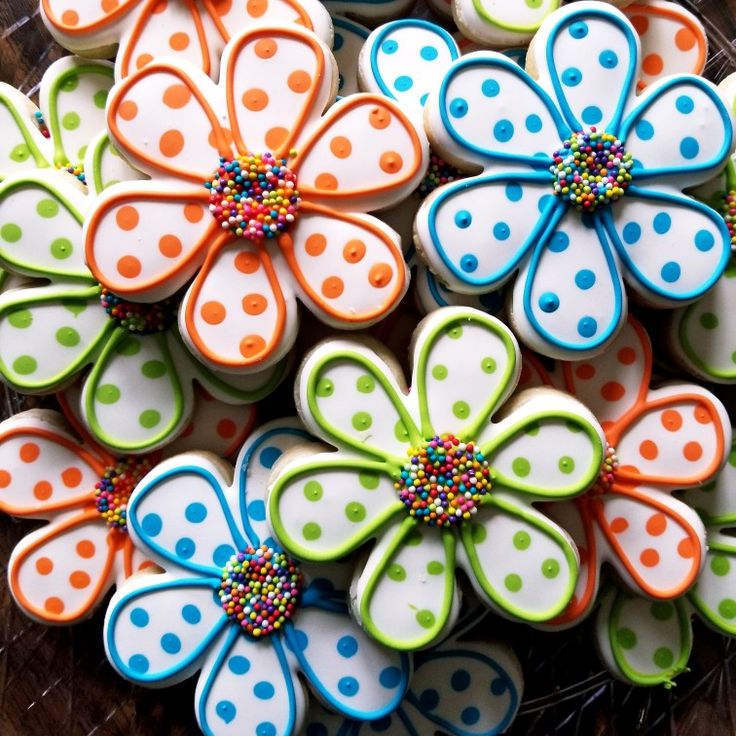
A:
<point x="57" y="680"/>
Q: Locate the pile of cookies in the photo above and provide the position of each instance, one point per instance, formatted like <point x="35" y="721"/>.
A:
<point x="467" y="215"/>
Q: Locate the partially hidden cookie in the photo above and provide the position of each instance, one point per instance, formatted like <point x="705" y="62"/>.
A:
<point x="242" y="269"/>
<point x="370" y="12"/>
<point x="328" y="505"/>
<point x="532" y="210"/>
<point x="210" y="611"/>
<point x="349" y="39"/>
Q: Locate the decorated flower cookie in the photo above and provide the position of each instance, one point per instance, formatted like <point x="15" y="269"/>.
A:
<point x="658" y="440"/>
<point x="474" y="509"/>
<point x="194" y="31"/>
<point x="581" y="182"/>
<point x="349" y="39"/>
<point x="147" y="241"/>
<point x="370" y="12"/>
<point x="235" y="606"/>
<point x="60" y="573"/>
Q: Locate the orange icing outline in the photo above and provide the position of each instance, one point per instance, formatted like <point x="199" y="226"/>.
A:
<point x="108" y="18"/>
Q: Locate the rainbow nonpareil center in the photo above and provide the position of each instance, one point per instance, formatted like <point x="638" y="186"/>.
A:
<point x="607" y="473"/>
<point x="113" y="489"/>
<point x="139" y="318"/>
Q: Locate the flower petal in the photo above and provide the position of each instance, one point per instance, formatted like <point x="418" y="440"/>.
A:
<point x="715" y="501"/>
<point x="145" y="242"/>
<point x="22" y="146"/>
<point x="407" y="597"/>
<point x="348" y="269"/>
<point x="500" y="24"/>
<point x="104" y="166"/>
<point x="465" y="366"/>
<point x="324" y="508"/>
<point x="76" y="21"/>
<point x="158" y="628"/>
<point x="713" y="595"/>
<point x="60" y="573"/>
<point x="474" y="233"/>
<point x="167" y="510"/>
<point x="347" y="669"/>
<point x="239" y="312"/>
<point x="432" y="294"/>
<point x="674" y="248"/>
<point x="519" y="561"/>
<point x="349" y="39"/>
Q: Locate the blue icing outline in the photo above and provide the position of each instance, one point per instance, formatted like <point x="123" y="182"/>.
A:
<point x="339" y="21"/>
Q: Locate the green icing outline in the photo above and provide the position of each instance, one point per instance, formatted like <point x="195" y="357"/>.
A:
<point x="39" y="159"/>
<point x="493" y="21"/>
<point x="698" y="603"/>
<point x="98" y="151"/>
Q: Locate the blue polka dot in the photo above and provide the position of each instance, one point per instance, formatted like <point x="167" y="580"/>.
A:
<point x="559" y="241"/>
<point x="423" y="99"/>
<point x="238" y="665"/>
<point x="631" y="233"/>
<point x="171" y="643"/>
<point x="514" y="192"/>
<point x="463" y="218"/>
<point x="299" y="641"/>
<point x="549" y="302"/>
<point x="579" y="29"/>
<point x="139" y="663"/>
<point x="470" y="715"/>
<point x="185" y="548"/>
<point x="269" y="455"/>
<point x="381" y="725"/>
<point x="196" y="512"/>
<point x="139" y="617"/>
<point x="226" y="710"/>
<point x="458" y="108"/>
<point x="429" y="53"/>
<point x="608" y="59"/>
<point x="671" y="272"/>
<point x="152" y="524"/>
<point x="592" y="115"/>
<point x="704" y="240"/>
<point x="468" y="263"/>
<point x="662" y="223"/>
<point x="689" y="148"/>
<point x="337" y="42"/>
<point x="263" y="690"/>
<point x="587" y="327"/>
<point x="191" y="614"/>
<point x="390" y="677"/>
<point x="490" y="88"/>
<point x="429" y="699"/>
<point x="389" y="47"/>
<point x="460" y="680"/>
<point x="403" y="83"/>
<point x="544" y="202"/>
<point x="584" y="279"/>
<point x="501" y="231"/>
<point x="498" y="686"/>
<point x="645" y="130"/>
<point x="348" y="686"/>
<point x="316" y="729"/>
<point x="265" y="728"/>
<point x="347" y="646"/>
<point x="685" y="104"/>
<point x="572" y="77"/>
<point x="257" y="510"/>
<point x="222" y="554"/>
<point x="503" y="131"/>
<point x="533" y="123"/>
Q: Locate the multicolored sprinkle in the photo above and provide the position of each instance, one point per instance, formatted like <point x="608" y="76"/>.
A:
<point x="113" y="490"/>
<point x="140" y="319"/>
<point x="728" y="209"/>
<point x="438" y="172"/>
<point x="607" y="473"/>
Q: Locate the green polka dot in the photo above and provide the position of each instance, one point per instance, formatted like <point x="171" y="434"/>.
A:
<point x="81" y="153"/>
<point x="455" y="332"/>
<point x="626" y="638"/>
<point x="727" y="608"/>
<point x="532" y="429"/>
<point x="534" y="4"/>
<point x="550" y="568"/>
<point x="70" y="83"/>
<point x="312" y="531"/>
<point x="663" y="658"/>
<point x="47" y="208"/>
<point x="361" y="421"/>
<point x="365" y="384"/>
<point x="355" y="512"/>
<point x="440" y="372"/>
<point x="368" y="480"/>
<point x="413" y="539"/>
<point x="129" y="346"/>
<point x="488" y="365"/>
<point x="521" y="467"/>
<point x="313" y="490"/>
<point x="425" y="619"/>
<point x="10" y="233"/>
<point x="720" y="565"/>
<point x="732" y="458"/>
<point x="401" y="432"/>
<point x="70" y="121"/>
<point x="21" y="318"/>
<point x="478" y="533"/>
<point x="662" y="611"/>
<point x="730" y="271"/>
<point x="325" y="387"/>
<point x="107" y="393"/>
<point x="61" y="248"/>
<point x="76" y="308"/>
<point x="461" y="409"/>
<point x="512" y="582"/>
<point x="435" y="568"/>
<point x="100" y="98"/>
<point x="573" y="427"/>
<point x="522" y="540"/>
<point x="68" y="337"/>
<point x="153" y="368"/>
<point x="708" y="321"/>
<point x="396" y="572"/>
<point x="566" y="464"/>
<point x="149" y="418"/>
<point x="20" y="153"/>
<point x="25" y="365"/>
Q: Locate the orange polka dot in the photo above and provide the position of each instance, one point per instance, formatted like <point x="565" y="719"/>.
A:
<point x="265" y="48"/>
<point x="71" y="477"/>
<point x="585" y="372"/>
<point x="188" y="431"/>
<point x="626" y="356"/>
<point x="299" y="81"/>
<point x="332" y="287"/>
<point x="109" y="5"/>
<point x="70" y="17"/>
<point x="607" y="425"/>
<point x="686" y="548"/>
<point x="702" y="415"/>
<point x="247" y="262"/>
<point x="43" y="490"/>
<point x="648" y="450"/>
<point x="315" y="244"/>
<point x="379" y="118"/>
<point x="29" y="452"/>
<point x="224" y="7"/>
<point x="44" y="565"/>
<point x="129" y="267"/>
<point x="619" y="525"/>
<point x="671" y="420"/>
<point x="629" y="469"/>
<point x="127" y="217"/>
<point x="193" y="213"/>
<point x="146" y="564"/>
<point x="143" y="60"/>
<point x="127" y="110"/>
<point x="251" y="345"/>
<point x="254" y="304"/>
<point x="85" y="548"/>
<point x="641" y="23"/>
<point x="255" y="99"/>
<point x="354" y="251"/>
<point x="656" y="524"/>
<point x="692" y="451"/>
<point x="226" y="428"/>
<point x="169" y="246"/>
<point x="213" y="313"/>
<point x="54" y="605"/>
<point x="177" y="96"/>
<point x="162" y="5"/>
<point x="275" y="137"/>
<point x="380" y="275"/>
<point x="649" y="557"/>
<point x="341" y="146"/>
<point x="326" y="181"/>
<point x="652" y="64"/>
<point x="685" y="39"/>
<point x="4" y="479"/>
<point x="79" y="579"/>
<point x="256" y="8"/>
<point x="612" y="391"/>
<point x="171" y="143"/>
<point x="179" y="41"/>
<point x="390" y="162"/>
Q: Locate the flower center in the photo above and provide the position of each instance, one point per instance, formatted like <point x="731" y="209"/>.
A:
<point x="590" y="170"/>
<point x="728" y="209"/>
<point x="438" y="172"/>
<point x="113" y="490"/>
<point x="76" y="170"/>
<point x="141" y="319"/>
<point x="607" y="473"/>
<point x="254" y="196"/>
<point x="260" y="589"/>
<point x="443" y="481"/>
